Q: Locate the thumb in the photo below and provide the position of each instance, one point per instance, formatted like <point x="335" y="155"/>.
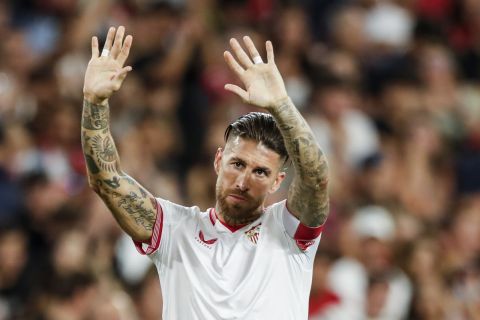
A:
<point x="238" y="91"/>
<point x="122" y="73"/>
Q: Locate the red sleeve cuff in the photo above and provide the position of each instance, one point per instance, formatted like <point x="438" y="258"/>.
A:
<point x="303" y="235"/>
<point x="154" y="241"/>
<point x="303" y="232"/>
<point x="307" y="233"/>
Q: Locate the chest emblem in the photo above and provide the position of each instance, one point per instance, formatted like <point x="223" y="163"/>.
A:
<point x="253" y="233"/>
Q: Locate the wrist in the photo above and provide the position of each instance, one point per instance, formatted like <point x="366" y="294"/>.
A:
<point x="279" y="103"/>
<point x="94" y="99"/>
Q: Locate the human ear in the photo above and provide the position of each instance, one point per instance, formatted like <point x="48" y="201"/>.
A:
<point x="218" y="158"/>
<point x="278" y="181"/>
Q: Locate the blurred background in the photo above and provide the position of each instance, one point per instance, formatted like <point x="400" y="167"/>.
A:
<point x="390" y="88"/>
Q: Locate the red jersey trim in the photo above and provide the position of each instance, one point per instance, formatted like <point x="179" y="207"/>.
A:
<point x="154" y="242"/>
<point x="304" y="232"/>
<point x="214" y="217"/>
<point x="307" y="233"/>
<point x="304" y="236"/>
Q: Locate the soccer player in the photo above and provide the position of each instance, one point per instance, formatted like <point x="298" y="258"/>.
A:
<point x="237" y="260"/>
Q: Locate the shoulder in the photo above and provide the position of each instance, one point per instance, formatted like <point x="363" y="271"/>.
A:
<point x="276" y="208"/>
<point x="173" y="212"/>
<point x="274" y="213"/>
<point x="306" y="238"/>
<point x="277" y="214"/>
<point x="280" y="214"/>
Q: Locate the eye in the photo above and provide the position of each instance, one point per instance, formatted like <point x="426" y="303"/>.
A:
<point x="237" y="164"/>
<point x="260" y="172"/>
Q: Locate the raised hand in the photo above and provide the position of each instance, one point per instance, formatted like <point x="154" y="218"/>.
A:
<point x="105" y="73"/>
<point x="263" y="83"/>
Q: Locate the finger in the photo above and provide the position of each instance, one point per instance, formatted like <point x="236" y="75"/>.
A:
<point x="270" y="55"/>
<point x="238" y="91"/>
<point x="127" y="44"/>
<point x="252" y="49"/>
<point x="109" y="40"/>
<point x="95" y="47"/>
<point x="240" y="53"/>
<point x="233" y="64"/>
<point x="122" y="73"/>
<point x="117" y="44"/>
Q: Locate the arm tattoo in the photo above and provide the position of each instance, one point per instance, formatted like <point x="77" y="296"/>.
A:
<point x="105" y="152"/>
<point x="143" y="192"/>
<point x="91" y="165"/>
<point x="112" y="183"/>
<point x="135" y="207"/>
<point x="132" y="206"/>
<point x="95" y="117"/>
<point x="308" y="194"/>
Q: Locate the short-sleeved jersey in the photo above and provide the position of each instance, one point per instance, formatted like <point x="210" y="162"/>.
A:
<point x="207" y="271"/>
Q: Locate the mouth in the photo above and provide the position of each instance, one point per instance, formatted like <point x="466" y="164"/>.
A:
<point x="237" y="197"/>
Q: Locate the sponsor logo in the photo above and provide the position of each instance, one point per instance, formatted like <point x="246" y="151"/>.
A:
<point x="202" y="238"/>
<point x="253" y="233"/>
<point x="204" y="242"/>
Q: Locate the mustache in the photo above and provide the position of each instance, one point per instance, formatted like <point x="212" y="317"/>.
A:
<point x="239" y="193"/>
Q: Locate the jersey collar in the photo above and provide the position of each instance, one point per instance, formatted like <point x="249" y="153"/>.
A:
<point x="214" y="218"/>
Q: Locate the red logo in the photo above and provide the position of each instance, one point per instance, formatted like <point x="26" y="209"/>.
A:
<point x="202" y="238"/>
<point x="304" y="244"/>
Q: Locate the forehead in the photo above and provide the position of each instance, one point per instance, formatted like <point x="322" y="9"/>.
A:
<point x="252" y="152"/>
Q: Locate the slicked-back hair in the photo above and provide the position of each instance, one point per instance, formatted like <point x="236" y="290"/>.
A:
<point x="260" y="127"/>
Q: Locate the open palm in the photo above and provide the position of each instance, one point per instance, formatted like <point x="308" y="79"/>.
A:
<point x="263" y="83"/>
<point x="105" y="73"/>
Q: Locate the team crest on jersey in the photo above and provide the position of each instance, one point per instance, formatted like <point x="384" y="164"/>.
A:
<point x="253" y="233"/>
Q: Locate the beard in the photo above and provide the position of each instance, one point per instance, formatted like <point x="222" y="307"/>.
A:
<point x="238" y="213"/>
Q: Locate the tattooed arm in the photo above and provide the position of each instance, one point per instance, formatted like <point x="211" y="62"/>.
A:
<point x="308" y="194"/>
<point x="133" y="207"/>
<point x="264" y="87"/>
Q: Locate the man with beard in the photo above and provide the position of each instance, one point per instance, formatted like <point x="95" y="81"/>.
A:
<point x="237" y="260"/>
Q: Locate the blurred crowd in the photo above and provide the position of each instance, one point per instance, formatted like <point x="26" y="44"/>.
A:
<point x="390" y="88"/>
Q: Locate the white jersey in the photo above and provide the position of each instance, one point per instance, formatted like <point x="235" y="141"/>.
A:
<point x="207" y="271"/>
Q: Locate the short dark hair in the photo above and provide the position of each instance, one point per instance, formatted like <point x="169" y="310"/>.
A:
<point x="260" y="127"/>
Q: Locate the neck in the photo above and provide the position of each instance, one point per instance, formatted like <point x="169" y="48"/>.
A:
<point x="237" y="221"/>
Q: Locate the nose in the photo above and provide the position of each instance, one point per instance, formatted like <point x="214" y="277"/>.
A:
<point x="242" y="182"/>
